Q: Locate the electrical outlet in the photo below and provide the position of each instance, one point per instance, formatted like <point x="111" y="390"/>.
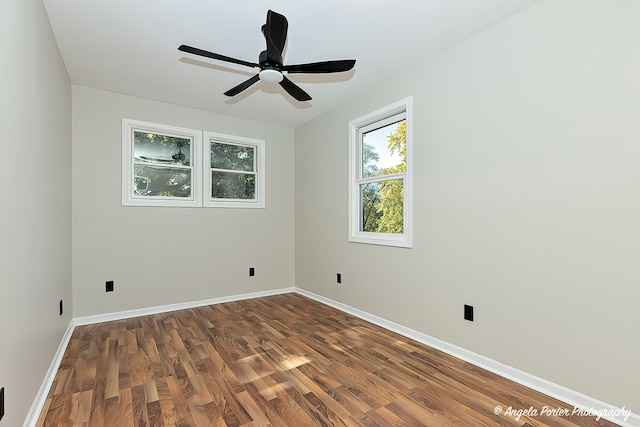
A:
<point x="468" y="312"/>
<point x="61" y="308"/>
<point x="339" y="278"/>
<point x="1" y="402"/>
<point x="252" y="271"/>
<point x="109" y="286"/>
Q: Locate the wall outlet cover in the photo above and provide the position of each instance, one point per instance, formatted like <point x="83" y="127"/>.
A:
<point x="1" y="402"/>
<point x="468" y="312"/>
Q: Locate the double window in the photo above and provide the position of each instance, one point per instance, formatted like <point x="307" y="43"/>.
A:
<point x="380" y="173"/>
<point x="171" y="166"/>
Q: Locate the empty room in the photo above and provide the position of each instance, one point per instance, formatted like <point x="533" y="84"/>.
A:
<point x="415" y="213"/>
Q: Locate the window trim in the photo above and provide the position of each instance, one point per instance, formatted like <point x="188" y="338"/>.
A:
<point x="259" y="165"/>
<point x="129" y="126"/>
<point x="380" y="118"/>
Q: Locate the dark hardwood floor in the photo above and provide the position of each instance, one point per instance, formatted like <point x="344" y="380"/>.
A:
<point x="283" y="360"/>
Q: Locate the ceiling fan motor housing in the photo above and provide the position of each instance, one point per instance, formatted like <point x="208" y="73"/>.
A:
<point x="269" y="62"/>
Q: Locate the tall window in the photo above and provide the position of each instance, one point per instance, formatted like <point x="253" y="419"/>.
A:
<point x="234" y="169"/>
<point x="380" y="171"/>
<point x="158" y="165"/>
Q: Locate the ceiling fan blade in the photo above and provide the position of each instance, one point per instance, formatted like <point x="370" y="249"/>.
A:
<point x="200" y="52"/>
<point x="321" y="67"/>
<point x="294" y="90"/>
<point x="275" y="33"/>
<point x="242" y="86"/>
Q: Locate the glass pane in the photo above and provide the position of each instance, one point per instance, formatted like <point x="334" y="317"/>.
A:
<point x="231" y="185"/>
<point x="382" y="206"/>
<point x="155" y="181"/>
<point x="384" y="150"/>
<point x="160" y="149"/>
<point x="232" y="157"/>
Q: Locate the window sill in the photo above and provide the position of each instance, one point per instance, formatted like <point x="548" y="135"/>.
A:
<point x="383" y="239"/>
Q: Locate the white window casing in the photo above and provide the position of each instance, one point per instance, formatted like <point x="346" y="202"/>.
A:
<point x="256" y="171"/>
<point x="135" y="184"/>
<point x="398" y="111"/>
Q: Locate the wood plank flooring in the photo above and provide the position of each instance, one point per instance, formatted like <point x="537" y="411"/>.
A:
<point x="282" y="360"/>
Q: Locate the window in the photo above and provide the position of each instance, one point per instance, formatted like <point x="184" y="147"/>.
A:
<point x="159" y="166"/>
<point x="380" y="174"/>
<point x="172" y="166"/>
<point x="234" y="169"/>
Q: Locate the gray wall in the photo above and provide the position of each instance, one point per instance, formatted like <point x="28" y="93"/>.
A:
<point x="35" y="219"/>
<point x="158" y="256"/>
<point x="526" y="199"/>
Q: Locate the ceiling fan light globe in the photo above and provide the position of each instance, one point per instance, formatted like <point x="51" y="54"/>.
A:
<point x="271" y="76"/>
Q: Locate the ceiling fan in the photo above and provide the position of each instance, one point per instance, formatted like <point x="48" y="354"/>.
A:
<point x="270" y="61"/>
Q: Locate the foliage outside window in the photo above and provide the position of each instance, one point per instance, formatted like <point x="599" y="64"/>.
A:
<point x="380" y="190"/>
<point x="234" y="169"/>
<point x="158" y="165"/>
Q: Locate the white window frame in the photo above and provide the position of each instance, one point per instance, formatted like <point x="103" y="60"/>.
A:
<point x="376" y="119"/>
<point x="128" y="197"/>
<point x="259" y="169"/>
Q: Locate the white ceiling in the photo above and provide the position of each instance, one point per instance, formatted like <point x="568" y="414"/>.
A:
<point x="130" y="47"/>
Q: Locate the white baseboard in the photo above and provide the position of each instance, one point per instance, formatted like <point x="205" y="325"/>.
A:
<point x="571" y="397"/>
<point x="41" y="396"/>
<point x="557" y="391"/>
<point x="107" y="317"/>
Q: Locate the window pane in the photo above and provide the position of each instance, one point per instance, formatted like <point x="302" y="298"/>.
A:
<point x="382" y="206"/>
<point x="231" y="185"/>
<point x="384" y="150"/>
<point x="232" y="157"/>
<point x="155" y="181"/>
<point x="161" y="149"/>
